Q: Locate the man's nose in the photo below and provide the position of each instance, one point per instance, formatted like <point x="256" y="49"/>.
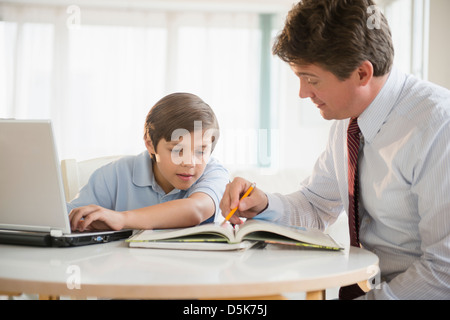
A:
<point x="305" y="90"/>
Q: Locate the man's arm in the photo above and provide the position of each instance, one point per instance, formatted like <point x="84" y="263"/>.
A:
<point x="317" y="203"/>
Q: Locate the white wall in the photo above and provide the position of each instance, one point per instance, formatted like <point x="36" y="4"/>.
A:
<point x="303" y="133"/>
<point x="439" y="44"/>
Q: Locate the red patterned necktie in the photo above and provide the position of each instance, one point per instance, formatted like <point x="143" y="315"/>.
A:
<point x="353" y="185"/>
<point x="352" y="291"/>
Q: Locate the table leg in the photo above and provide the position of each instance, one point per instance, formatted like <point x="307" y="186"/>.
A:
<point x="10" y="294"/>
<point x="48" y="297"/>
<point x="315" y="295"/>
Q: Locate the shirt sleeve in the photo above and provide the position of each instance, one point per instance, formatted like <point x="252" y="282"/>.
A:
<point x="212" y="182"/>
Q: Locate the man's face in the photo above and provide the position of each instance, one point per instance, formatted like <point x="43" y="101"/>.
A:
<point x="336" y="99"/>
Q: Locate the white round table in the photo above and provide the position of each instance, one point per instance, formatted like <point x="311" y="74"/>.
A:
<point x="114" y="270"/>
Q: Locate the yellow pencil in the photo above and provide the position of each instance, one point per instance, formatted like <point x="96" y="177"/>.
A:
<point x="252" y="186"/>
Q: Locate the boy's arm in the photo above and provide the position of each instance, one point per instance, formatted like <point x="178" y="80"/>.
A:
<point x="180" y="213"/>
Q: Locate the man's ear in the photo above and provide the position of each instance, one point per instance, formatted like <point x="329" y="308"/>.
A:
<point x="365" y="72"/>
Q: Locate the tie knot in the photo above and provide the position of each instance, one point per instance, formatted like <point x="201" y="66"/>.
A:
<point x="353" y="127"/>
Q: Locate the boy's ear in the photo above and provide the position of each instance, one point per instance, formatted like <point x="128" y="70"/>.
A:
<point x="149" y="145"/>
<point x="151" y="149"/>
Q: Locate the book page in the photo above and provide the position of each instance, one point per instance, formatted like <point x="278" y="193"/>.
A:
<point x="254" y="229"/>
<point x="203" y="231"/>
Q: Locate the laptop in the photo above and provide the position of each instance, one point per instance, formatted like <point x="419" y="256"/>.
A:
<point x="33" y="209"/>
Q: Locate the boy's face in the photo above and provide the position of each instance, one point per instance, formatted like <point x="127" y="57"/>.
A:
<point x="335" y="98"/>
<point x="179" y="163"/>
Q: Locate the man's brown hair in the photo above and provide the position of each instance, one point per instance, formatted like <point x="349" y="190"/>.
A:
<point x="179" y="111"/>
<point x="337" y="35"/>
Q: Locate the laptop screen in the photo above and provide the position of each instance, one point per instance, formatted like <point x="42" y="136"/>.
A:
<point x="31" y="190"/>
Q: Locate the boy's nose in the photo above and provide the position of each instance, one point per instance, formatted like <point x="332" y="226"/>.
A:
<point x="189" y="160"/>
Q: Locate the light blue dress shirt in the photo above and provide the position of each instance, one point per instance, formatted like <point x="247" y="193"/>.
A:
<point x="129" y="183"/>
<point x="404" y="166"/>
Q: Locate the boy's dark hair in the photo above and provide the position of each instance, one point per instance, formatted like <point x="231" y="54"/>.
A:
<point x="179" y="111"/>
<point x="337" y="35"/>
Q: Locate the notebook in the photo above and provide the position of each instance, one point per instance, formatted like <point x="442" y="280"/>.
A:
<point x="32" y="203"/>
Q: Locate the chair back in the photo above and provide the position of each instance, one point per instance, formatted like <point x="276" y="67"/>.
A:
<point x="75" y="174"/>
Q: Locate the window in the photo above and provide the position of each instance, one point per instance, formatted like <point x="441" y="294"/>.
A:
<point x="408" y="20"/>
<point x="96" y="73"/>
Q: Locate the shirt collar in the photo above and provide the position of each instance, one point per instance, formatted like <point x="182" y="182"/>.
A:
<point x="142" y="170"/>
<point x="371" y="120"/>
<point x="143" y="173"/>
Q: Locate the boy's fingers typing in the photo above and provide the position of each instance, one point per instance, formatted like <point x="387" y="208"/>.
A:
<point x="94" y="217"/>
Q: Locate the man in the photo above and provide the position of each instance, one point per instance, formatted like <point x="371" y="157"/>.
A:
<point x="393" y="179"/>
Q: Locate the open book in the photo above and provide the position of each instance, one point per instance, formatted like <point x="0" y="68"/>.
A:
<point x="214" y="236"/>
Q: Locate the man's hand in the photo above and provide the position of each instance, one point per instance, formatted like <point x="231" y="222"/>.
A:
<point x="249" y="207"/>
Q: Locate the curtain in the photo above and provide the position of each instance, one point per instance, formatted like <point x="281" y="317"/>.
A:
<point x="96" y="73"/>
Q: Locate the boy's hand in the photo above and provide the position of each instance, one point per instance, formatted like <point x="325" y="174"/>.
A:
<point x="249" y="207"/>
<point x="94" y="217"/>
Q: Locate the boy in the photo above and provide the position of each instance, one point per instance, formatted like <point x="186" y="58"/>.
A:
<point x="173" y="184"/>
<point x="397" y="202"/>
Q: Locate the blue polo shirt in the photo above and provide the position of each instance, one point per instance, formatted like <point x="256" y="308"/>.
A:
<point x="129" y="183"/>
